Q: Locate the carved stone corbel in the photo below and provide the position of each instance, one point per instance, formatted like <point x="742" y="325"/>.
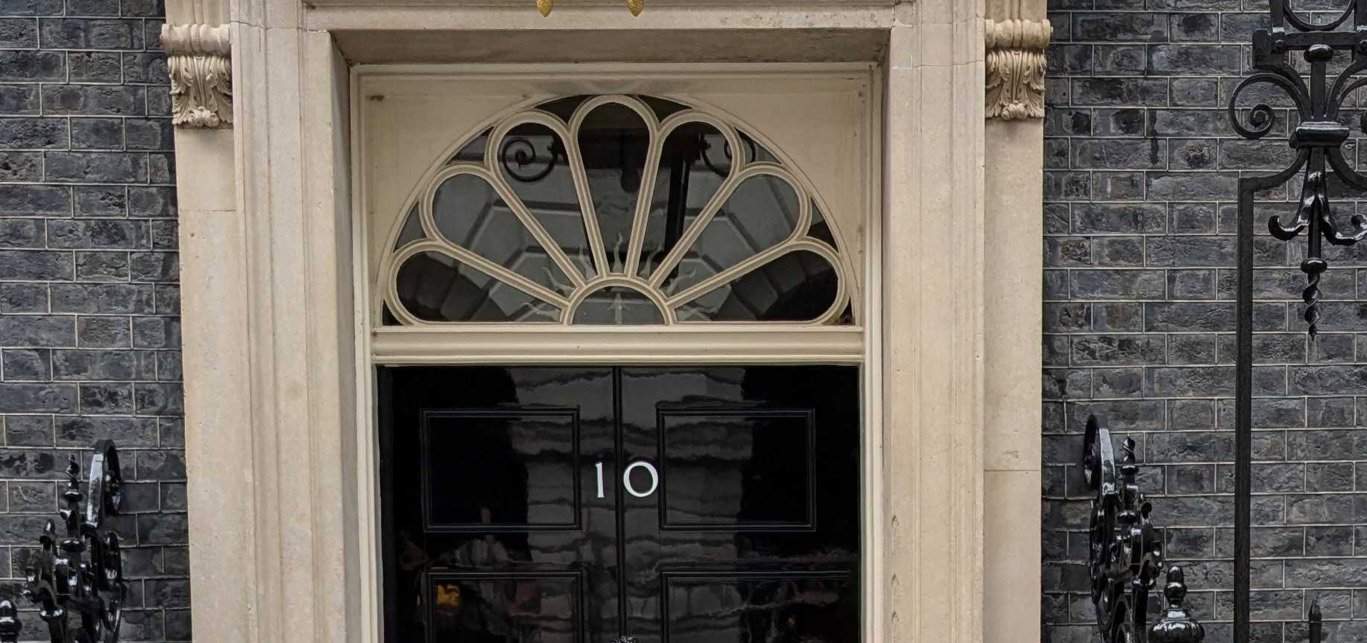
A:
<point x="1015" y="68"/>
<point x="200" y="64"/>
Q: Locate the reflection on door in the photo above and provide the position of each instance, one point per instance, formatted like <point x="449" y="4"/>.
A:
<point x="579" y="505"/>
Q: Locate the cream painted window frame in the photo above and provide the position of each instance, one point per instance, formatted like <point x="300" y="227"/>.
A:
<point x="651" y="286"/>
<point x="682" y="344"/>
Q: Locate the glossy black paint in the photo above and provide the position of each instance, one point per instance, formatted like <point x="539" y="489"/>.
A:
<point x="495" y="531"/>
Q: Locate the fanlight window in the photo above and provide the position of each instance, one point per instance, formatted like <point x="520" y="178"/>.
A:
<point x="615" y="210"/>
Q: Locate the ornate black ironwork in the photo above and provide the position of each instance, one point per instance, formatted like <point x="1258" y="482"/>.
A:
<point x="519" y="158"/>
<point x="1127" y="551"/>
<point x="1319" y="136"/>
<point x="1177" y="624"/>
<point x="1335" y="57"/>
<point x="83" y="571"/>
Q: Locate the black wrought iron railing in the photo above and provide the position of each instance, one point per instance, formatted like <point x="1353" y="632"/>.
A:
<point x="77" y="580"/>
<point x="1126" y="553"/>
<point x="1127" y="550"/>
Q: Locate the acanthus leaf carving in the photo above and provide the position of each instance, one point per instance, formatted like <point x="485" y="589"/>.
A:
<point x="200" y="65"/>
<point x="1015" y="68"/>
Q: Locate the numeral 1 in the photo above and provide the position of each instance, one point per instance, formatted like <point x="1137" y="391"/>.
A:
<point x="599" y="468"/>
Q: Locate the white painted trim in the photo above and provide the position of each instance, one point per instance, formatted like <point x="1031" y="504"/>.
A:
<point x="368" y="525"/>
<point x="554" y="344"/>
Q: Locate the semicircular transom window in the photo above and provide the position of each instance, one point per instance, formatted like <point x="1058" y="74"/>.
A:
<point x="615" y="210"/>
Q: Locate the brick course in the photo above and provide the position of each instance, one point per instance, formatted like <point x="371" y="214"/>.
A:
<point x="89" y="333"/>
<point x="1141" y="166"/>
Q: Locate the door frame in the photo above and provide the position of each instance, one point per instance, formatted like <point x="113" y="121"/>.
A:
<point x="269" y="326"/>
<point x="684" y="345"/>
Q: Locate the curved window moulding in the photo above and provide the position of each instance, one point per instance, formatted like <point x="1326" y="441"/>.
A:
<point x="614" y="210"/>
<point x="618" y="305"/>
<point x="433" y="287"/>
<point x="468" y="211"/>
<point x="614" y="139"/>
<point x="799" y="286"/>
<point x="532" y="160"/>
<point x="690" y="170"/>
<point x="763" y="211"/>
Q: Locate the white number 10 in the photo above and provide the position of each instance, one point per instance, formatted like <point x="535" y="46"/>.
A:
<point x="626" y="479"/>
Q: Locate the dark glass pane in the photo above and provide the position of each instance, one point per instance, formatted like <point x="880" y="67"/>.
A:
<point x="756" y="153"/>
<point x="614" y="140"/>
<point x="435" y="287"/>
<point x="662" y="107"/>
<point x="563" y="107"/>
<point x="470" y="214"/>
<point x="820" y="229"/>
<point x="691" y="170"/>
<point x="473" y="151"/>
<point x="412" y="229"/>
<point x="762" y="212"/>
<point x="796" y="286"/>
<point x="532" y="159"/>
<point x="510" y="609"/>
<point x="617" y="306"/>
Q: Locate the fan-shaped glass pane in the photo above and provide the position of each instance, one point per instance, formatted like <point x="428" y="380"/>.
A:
<point x="469" y="213"/>
<point x="661" y="107"/>
<point x="563" y="107"/>
<point x="617" y="305"/>
<point x="472" y="152"/>
<point x="412" y="229"/>
<point x="761" y="213"/>
<point x="796" y="286"/>
<point x="509" y="238"/>
<point x="820" y="229"/>
<point x="614" y="141"/>
<point x="436" y="288"/>
<point x="533" y="161"/>
<point x="691" y="169"/>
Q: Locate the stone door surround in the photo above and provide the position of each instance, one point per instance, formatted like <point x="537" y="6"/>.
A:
<point x="279" y="550"/>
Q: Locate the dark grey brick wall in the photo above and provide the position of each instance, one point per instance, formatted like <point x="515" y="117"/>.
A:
<point x="89" y="335"/>
<point x="1139" y="191"/>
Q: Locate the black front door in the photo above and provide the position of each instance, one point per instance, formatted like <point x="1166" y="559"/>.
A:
<point x="580" y="505"/>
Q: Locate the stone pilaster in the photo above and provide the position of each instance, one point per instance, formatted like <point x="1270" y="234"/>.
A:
<point x="1015" y="36"/>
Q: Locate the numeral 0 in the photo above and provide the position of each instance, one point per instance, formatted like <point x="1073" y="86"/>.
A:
<point x="626" y="479"/>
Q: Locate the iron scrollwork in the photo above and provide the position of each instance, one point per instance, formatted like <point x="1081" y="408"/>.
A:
<point x="1333" y="58"/>
<point x="1319" y="135"/>
<point x="81" y="572"/>
<point x="1126" y="552"/>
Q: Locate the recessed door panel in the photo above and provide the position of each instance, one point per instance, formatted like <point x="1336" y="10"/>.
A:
<point x="492" y="532"/>
<point x="511" y="469"/>
<point x="683" y="504"/>
<point x="760" y="479"/>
